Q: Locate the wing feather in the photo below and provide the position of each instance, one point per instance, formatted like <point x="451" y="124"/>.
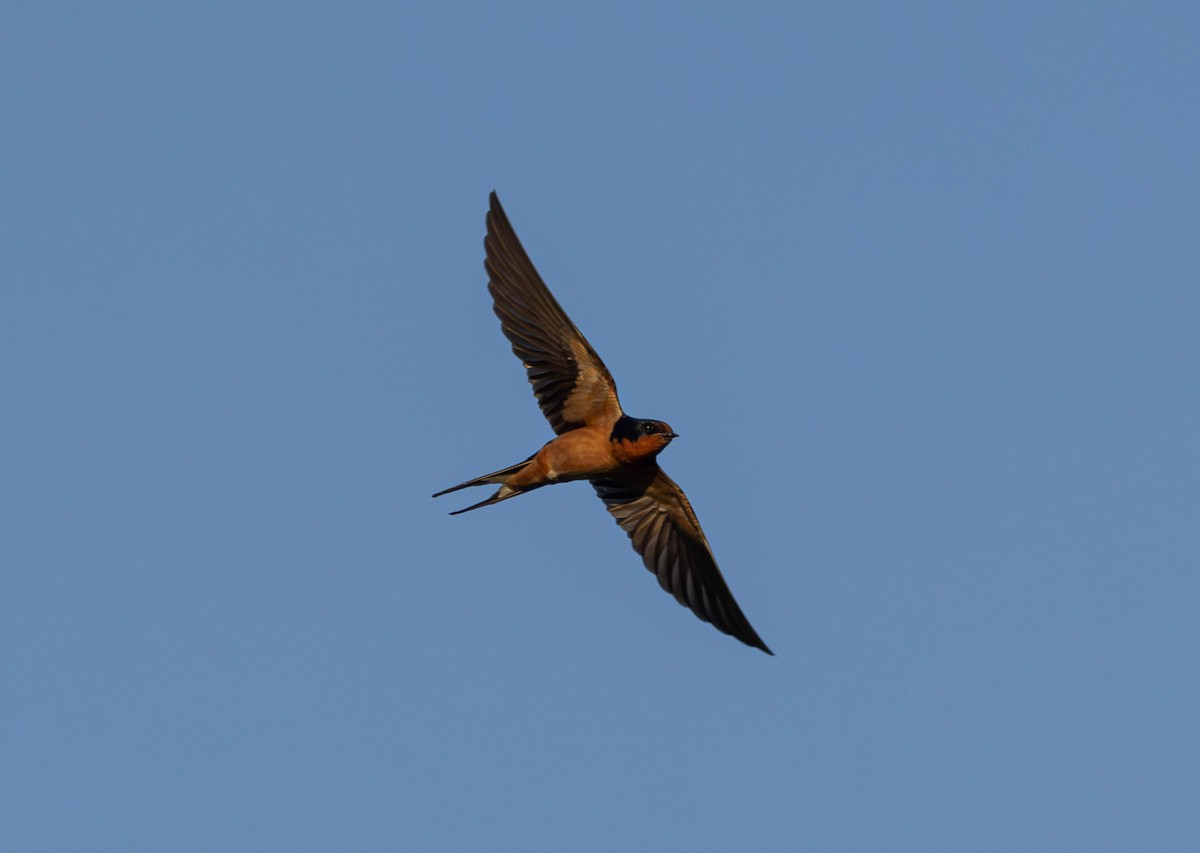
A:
<point x="654" y="511"/>
<point x="571" y="383"/>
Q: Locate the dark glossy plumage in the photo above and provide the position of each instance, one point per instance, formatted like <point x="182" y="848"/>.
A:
<point x="571" y="383"/>
<point x="656" y="514"/>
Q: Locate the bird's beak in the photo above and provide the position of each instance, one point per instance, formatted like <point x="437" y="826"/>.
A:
<point x="672" y="435"/>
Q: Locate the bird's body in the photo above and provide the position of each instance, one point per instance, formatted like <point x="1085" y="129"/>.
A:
<point x="596" y="440"/>
<point x="585" y="453"/>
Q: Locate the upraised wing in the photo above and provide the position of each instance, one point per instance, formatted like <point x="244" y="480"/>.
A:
<point x="571" y="383"/>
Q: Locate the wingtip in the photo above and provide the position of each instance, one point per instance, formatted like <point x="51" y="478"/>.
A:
<point x="755" y="642"/>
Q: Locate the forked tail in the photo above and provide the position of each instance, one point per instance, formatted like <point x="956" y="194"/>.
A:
<point x="494" y="478"/>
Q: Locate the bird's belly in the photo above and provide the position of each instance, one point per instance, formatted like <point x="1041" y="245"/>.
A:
<point x="577" y="455"/>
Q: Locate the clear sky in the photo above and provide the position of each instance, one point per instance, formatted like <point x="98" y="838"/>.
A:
<point x="917" y="283"/>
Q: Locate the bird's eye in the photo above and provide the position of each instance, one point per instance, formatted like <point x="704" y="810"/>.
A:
<point x="648" y="429"/>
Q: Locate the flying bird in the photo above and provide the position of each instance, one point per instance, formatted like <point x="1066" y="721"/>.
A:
<point x="596" y="440"/>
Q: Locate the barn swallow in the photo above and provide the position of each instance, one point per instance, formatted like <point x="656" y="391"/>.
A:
<point x="596" y="440"/>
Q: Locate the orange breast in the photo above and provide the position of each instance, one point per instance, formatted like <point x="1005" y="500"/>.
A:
<point x="633" y="454"/>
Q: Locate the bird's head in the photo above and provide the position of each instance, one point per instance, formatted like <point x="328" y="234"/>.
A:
<point x="639" y="441"/>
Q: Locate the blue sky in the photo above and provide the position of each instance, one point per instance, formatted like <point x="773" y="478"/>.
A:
<point x="917" y="284"/>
